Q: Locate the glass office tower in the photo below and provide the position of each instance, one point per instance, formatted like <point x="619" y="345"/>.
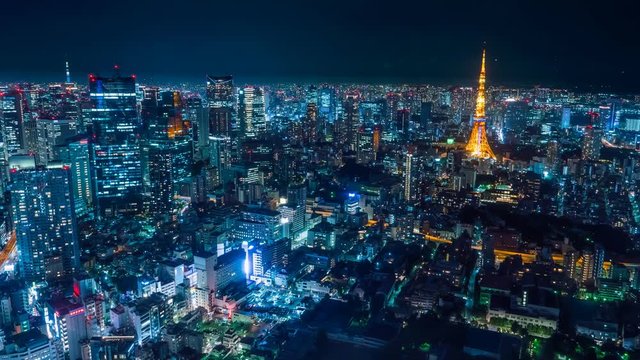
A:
<point x="45" y="223"/>
<point x="117" y="171"/>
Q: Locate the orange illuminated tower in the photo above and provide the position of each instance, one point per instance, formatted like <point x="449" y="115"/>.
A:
<point x="478" y="146"/>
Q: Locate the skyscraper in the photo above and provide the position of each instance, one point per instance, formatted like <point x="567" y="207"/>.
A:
<point x="365" y="152"/>
<point x="52" y="133"/>
<point x="311" y="124"/>
<point x="588" y="265"/>
<point x="411" y="171"/>
<point x="598" y="262"/>
<point x="221" y="103"/>
<point x="351" y="121"/>
<point x="195" y="113"/>
<point x="591" y="143"/>
<point x="67" y="323"/>
<point x="478" y="146"/>
<point x="265" y="256"/>
<point x="426" y="109"/>
<point x="252" y="111"/>
<point x="11" y="114"/>
<point x="565" y="121"/>
<point x="76" y="155"/>
<point x="223" y="122"/>
<point x="327" y="104"/>
<point x="45" y="223"/>
<point x="170" y="152"/>
<point x="117" y="171"/>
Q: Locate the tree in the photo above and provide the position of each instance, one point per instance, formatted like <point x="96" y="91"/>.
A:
<point x="515" y="327"/>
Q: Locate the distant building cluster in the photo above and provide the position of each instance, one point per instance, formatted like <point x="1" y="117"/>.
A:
<point x="228" y="221"/>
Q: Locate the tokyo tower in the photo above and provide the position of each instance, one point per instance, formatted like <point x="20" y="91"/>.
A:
<point x="478" y="146"/>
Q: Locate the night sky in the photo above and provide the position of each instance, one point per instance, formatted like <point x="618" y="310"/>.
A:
<point x="553" y="43"/>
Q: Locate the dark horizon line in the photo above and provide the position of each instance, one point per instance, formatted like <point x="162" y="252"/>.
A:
<point x="331" y="80"/>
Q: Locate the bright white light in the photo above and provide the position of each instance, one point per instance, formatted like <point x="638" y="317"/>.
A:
<point x="245" y="266"/>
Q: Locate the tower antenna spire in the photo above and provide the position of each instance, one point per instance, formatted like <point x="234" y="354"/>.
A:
<point x="67" y="72"/>
<point x="478" y="145"/>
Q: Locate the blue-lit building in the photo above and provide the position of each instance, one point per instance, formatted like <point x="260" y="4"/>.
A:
<point x="170" y="151"/>
<point x="52" y="134"/>
<point x="221" y="103"/>
<point x="372" y="112"/>
<point x="11" y="114"/>
<point x="264" y="257"/>
<point x="76" y="155"/>
<point x="81" y="175"/>
<point x="327" y="104"/>
<point x="115" y="146"/>
<point x="565" y="120"/>
<point x="253" y="121"/>
<point x="45" y="223"/>
<point x="230" y="269"/>
<point x="258" y="224"/>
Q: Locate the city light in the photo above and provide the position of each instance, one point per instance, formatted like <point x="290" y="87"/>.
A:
<point x="363" y="185"/>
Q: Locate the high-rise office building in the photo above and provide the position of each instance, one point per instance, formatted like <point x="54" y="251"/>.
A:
<point x="196" y="114"/>
<point x="411" y="178"/>
<point x="258" y="224"/>
<point x="170" y="153"/>
<point x="116" y="160"/>
<point x="591" y="143"/>
<point x="221" y="103"/>
<point x="310" y="130"/>
<point x="297" y="193"/>
<point x="52" y="133"/>
<point x="372" y="112"/>
<point x="266" y="256"/>
<point x="222" y="123"/>
<point x="149" y="315"/>
<point x="12" y="116"/>
<point x="565" y="120"/>
<point x="148" y="112"/>
<point x="376" y="139"/>
<point x="426" y="109"/>
<point x="162" y="187"/>
<point x="67" y="323"/>
<point x="364" y="148"/>
<point x="515" y="116"/>
<point x="231" y="268"/>
<point x="351" y="121"/>
<point x="204" y="264"/>
<point x="76" y="156"/>
<point x="252" y="111"/>
<point x="588" y="265"/>
<point x="45" y="223"/>
<point x="327" y="104"/>
<point x="598" y="262"/>
<point x="553" y="156"/>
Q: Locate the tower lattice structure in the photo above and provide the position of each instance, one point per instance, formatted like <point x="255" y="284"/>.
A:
<point x="478" y="146"/>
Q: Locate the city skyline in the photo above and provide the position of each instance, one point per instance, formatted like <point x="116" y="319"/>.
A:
<point x="291" y="180"/>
